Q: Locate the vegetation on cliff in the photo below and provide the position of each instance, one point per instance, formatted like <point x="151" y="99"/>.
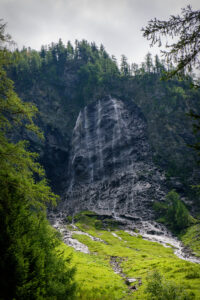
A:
<point x="61" y="79"/>
<point x="174" y="213"/>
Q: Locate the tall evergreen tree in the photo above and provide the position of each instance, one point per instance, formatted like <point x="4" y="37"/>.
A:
<point x="124" y="67"/>
<point x="30" y="265"/>
<point x="148" y="63"/>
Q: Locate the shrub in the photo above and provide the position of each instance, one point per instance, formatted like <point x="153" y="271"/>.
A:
<point x="160" y="289"/>
<point x="177" y="213"/>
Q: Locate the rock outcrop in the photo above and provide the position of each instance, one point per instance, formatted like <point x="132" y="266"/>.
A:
<point x="111" y="169"/>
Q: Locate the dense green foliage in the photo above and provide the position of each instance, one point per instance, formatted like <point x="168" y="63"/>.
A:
<point x="160" y="289"/>
<point x="30" y="266"/>
<point x="173" y="212"/>
<point x="177" y="213"/>
<point x="61" y="79"/>
<point x="93" y="66"/>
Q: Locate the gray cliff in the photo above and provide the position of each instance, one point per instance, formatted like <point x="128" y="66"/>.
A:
<point x="111" y="169"/>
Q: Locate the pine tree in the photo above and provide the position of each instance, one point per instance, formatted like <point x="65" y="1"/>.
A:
<point x="30" y="265"/>
<point x="125" y="68"/>
<point x="185" y="51"/>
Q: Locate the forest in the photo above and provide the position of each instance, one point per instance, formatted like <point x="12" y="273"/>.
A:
<point x="41" y="95"/>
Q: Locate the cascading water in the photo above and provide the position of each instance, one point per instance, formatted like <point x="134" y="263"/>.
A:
<point x="111" y="169"/>
<point x="99" y="136"/>
<point x="116" y="137"/>
<point x="111" y="172"/>
<point x="87" y="144"/>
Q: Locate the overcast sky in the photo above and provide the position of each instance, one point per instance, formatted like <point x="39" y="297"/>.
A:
<point x="114" y="23"/>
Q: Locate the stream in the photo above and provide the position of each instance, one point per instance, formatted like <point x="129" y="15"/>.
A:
<point x="149" y="230"/>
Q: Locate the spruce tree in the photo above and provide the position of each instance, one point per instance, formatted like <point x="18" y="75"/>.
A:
<point x="30" y="265"/>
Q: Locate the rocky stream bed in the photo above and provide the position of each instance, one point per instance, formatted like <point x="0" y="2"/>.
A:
<point x="149" y="230"/>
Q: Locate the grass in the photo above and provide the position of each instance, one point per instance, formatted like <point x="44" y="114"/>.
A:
<point x="191" y="238"/>
<point x="94" y="277"/>
<point x="137" y="257"/>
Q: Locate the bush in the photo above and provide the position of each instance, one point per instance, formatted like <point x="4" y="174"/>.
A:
<point x="173" y="212"/>
<point x="177" y="213"/>
<point x="69" y="219"/>
<point x="160" y="289"/>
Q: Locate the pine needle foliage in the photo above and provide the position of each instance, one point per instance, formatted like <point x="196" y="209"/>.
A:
<point x="30" y="266"/>
<point x="185" y="51"/>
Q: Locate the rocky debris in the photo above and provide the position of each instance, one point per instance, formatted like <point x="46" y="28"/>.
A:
<point x="155" y="232"/>
<point x="115" y="235"/>
<point x="149" y="230"/>
<point x="131" y="280"/>
<point x="59" y="223"/>
<point x="115" y="263"/>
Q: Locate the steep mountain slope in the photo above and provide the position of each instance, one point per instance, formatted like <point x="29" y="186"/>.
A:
<point x="115" y="142"/>
<point x="61" y="80"/>
<point x="111" y="169"/>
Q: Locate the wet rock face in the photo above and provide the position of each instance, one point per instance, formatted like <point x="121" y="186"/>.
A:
<point x="111" y="169"/>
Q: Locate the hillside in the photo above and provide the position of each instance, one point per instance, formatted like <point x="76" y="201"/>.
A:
<point x="116" y="143"/>
<point x="60" y="80"/>
<point x="114" y="262"/>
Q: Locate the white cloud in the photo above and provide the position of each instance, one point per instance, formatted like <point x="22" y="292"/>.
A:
<point x="114" y="23"/>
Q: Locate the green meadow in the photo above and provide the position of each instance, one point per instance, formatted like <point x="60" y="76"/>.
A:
<point x="137" y="258"/>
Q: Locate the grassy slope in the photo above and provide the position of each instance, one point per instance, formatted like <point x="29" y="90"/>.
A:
<point x="96" y="279"/>
<point x="191" y="238"/>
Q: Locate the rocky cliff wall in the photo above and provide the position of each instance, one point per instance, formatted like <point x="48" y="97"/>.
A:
<point x="111" y="169"/>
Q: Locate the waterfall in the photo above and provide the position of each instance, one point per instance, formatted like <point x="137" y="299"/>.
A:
<point x="110" y="139"/>
<point x="78" y="122"/>
<point x="114" y="208"/>
<point x="111" y="161"/>
<point x="99" y="135"/>
<point x="117" y="118"/>
<point x="116" y="129"/>
<point x="117" y="132"/>
<point x="87" y="144"/>
<point x="76" y="136"/>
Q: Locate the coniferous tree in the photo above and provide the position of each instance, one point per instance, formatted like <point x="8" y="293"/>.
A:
<point x="30" y="265"/>
<point x="184" y="52"/>
<point x="148" y="63"/>
<point x="177" y="213"/>
<point x="124" y="67"/>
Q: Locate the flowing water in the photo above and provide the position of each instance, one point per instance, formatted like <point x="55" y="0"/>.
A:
<point x="155" y="232"/>
<point x="111" y="172"/>
<point x="99" y="136"/>
<point x="110" y="162"/>
<point x="149" y="230"/>
<point x="87" y="144"/>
